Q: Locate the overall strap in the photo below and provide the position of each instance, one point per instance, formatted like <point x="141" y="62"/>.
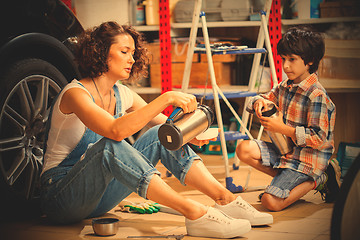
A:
<point x="86" y="90"/>
<point x="48" y="123"/>
<point x="118" y="107"/>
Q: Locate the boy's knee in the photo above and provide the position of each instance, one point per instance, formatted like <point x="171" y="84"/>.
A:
<point x="271" y="202"/>
<point x="243" y="150"/>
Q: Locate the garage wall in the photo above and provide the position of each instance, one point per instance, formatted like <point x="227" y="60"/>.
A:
<point x="94" y="12"/>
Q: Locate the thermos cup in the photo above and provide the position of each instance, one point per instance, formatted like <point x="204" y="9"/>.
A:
<point x="283" y="143"/>
<point x="180" y="128"/>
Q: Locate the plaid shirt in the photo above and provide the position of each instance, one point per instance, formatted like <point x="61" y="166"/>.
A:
<point x="308" y="108"/>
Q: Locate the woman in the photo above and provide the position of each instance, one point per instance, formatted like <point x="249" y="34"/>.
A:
<point x="89" y="167"/>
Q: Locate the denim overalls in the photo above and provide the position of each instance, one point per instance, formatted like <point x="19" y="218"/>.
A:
<point x="100" y="172"/>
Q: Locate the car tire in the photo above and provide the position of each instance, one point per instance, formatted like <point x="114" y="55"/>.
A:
<point x="28" y="87"/>
<point x="345" y="215"/>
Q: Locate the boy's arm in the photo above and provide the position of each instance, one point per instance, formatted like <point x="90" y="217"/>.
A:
<point x="270" y="96"/>
<point x="318" y="134"/>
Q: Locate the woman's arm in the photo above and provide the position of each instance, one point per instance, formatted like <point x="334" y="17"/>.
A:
<point x="139" y="103"/>
<point x="78" y="101"/>
<point x="160" y="119"/>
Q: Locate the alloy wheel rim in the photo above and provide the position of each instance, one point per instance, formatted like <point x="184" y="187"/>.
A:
<point x="22" y="126"/>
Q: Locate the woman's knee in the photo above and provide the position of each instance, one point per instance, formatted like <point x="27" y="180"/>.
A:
<point x="271" y="202"/>
<point x="151" y="133"/>
<point x="150" y="137"/>
<point x="113" y="146"/>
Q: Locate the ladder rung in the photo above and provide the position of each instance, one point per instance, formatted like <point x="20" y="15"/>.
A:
<point x="237" y="94"/>
<point x="233" y="135"/>
<point x="202" y="50"/>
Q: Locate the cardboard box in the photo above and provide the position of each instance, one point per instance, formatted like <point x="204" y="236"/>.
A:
<point x="341" y="60"/>
<point x="219" y="58"/>
<point x="339" y="68"/>
<point x="340" y="9"/>
<point x="342" y="48"/>
<point x="178" y="52"/>
<point x="198" y="76"/>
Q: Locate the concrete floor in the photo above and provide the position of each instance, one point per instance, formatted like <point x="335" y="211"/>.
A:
<point x="308" y="219"/>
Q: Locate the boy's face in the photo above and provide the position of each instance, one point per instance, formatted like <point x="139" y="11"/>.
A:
<point x="295" y="68"/>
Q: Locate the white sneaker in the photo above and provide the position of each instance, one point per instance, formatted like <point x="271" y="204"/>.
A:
<point x="217" y="224"/>
<point x="239" y="208"/>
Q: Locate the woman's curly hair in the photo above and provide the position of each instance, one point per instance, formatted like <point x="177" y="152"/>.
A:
<point x="94" y="45"/>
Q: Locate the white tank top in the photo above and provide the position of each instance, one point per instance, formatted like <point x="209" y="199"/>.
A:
<point x="67" y="129"/>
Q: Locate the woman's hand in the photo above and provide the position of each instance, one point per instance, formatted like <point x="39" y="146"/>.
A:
<point x="200" y="143"/>
<point x="185" y="101"/>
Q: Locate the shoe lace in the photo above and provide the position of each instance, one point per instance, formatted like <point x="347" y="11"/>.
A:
<point x="322" y="187"/>
<point x="225" y="219"/>
<point x="246" y="206"/>
<point x="323" y="191"/>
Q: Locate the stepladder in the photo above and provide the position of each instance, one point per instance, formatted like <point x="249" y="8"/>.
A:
<point x="217" y="94"/>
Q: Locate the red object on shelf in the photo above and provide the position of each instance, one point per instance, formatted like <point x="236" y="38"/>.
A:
<point x="275" y="35"/>
<point x="165" y="48"/>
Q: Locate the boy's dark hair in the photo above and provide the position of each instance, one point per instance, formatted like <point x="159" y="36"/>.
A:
<point x="94" y="45"/>
<point x="304" y="42"/>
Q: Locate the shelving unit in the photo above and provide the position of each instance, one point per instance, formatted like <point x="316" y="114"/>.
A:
<point x="252" y="23"/>
<point x="210" y="25"/>
<point x="319" y="20"/>
<point x="220" y="24"/>
<point x="153" y="90"/>
<point x="344" y="92"/>
<point x="332" y="85"/>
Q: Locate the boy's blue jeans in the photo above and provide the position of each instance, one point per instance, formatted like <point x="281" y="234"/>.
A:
<point x="286" y="179"/>
<point x="106" y="174"/>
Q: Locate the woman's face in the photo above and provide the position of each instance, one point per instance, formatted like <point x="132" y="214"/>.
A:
<point x="121" y="60"/>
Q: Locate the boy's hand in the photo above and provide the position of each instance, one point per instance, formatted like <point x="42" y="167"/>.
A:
<point x="260" y="106"/>
<point x="273" y="124"/>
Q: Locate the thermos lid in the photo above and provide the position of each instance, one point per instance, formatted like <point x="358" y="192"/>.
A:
<point x="170" y="136"/>
<point x="209" y="113"/>
<point x="270" y="112"/>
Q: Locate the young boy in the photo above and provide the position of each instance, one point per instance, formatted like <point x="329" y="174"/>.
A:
<point x="307" y="116"/>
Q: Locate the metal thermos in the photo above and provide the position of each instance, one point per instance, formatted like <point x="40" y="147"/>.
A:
<point x="283" y="143"/>
<point x="180" y="128"/>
